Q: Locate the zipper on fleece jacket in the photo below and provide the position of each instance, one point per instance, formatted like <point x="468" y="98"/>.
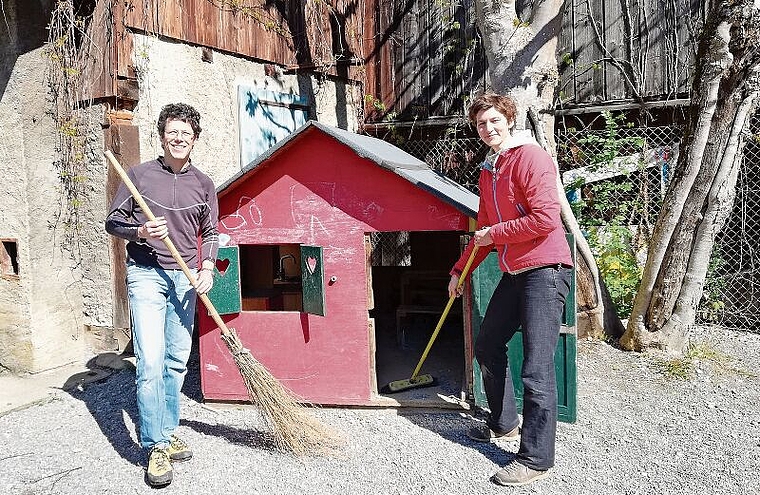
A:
<point x="498" y="214"/>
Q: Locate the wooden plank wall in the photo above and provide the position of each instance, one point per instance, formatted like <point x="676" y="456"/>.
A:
<point x="285" y="33"/>
<point x="656" y="44"/>
<point x="410" y="66"/>
<point x="294" y="34"/>
<point x="107" y="53"/>
<point x="422" y="62"/>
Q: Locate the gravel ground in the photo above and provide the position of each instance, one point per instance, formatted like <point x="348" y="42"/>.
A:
<point x="639" y="431"/>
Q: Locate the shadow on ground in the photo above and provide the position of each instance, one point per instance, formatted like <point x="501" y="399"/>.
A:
<point x="108" y="390"/>
<point x="454" y="429"/>
<point x="254" y="439"/>
<point x="109" y="395"/>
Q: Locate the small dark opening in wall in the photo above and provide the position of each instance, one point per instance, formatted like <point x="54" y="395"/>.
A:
<point x="9" y="257"/>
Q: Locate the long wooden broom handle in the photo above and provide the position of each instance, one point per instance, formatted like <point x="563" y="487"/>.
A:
<point x="445" y="312"/>
<point x="169" y="244"/>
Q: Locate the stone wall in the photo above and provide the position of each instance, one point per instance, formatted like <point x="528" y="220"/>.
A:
<point x="61" y="305"/>
<point x="171" y="72"/>
<point x="41" y="314"/>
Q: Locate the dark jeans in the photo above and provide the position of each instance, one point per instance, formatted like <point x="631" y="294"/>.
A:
<point x="532" y="301"/>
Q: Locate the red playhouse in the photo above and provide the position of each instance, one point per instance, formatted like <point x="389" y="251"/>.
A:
<point x="334" y="272"/>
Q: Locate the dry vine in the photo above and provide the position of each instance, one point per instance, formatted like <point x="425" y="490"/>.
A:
<point x="66" y="36"/>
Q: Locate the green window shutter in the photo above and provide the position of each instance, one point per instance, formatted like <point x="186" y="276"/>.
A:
<point x="485" y="278"/>
<point x="313" y="280"/>
<point x="225" y="294"/>
<point x="569" y="316"/>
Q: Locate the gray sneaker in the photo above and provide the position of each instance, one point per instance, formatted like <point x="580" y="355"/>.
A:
<point x="483" y="433"/>
<point x="159" y="472"/>
<point x="517" y="474"/>
<point x="178" y="450"/>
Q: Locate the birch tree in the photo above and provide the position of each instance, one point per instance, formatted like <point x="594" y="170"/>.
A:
<point x="725" y="92"/>
<point x="520" y="43"/>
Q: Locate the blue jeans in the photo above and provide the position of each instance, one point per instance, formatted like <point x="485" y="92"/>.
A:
<point x="162" y="305"/>
<point x="533" y="301"/>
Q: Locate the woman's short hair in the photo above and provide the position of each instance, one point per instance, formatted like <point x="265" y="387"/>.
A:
<point x="503" y="104"/>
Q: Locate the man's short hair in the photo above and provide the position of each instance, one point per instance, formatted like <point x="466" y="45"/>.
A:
<point x="503" y="104"/>
<point x="179" y="111"/>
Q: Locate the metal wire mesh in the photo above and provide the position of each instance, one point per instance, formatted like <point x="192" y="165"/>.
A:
<point x="391" y="249"/>
<point x="732" y="289"/>
<point x="457" y="158"/>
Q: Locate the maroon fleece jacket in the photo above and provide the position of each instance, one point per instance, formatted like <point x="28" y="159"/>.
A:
<point x="188" y="202"/>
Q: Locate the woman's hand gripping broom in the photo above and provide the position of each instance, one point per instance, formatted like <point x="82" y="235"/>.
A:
<point x="293" y="428"/>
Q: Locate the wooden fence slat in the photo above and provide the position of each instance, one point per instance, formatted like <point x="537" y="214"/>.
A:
<point x="615" y="37"/>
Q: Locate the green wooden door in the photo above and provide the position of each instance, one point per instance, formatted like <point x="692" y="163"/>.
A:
<point x="484" y="281"/>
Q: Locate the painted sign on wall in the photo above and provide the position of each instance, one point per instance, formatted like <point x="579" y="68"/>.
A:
<point x="265" y="118"/>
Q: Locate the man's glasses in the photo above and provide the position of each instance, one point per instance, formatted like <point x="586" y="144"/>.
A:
<point x="183" y="134"/>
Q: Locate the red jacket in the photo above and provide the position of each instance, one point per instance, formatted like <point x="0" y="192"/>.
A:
<point x="519" y="200"/>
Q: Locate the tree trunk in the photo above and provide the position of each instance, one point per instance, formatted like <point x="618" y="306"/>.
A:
<point x="520" y="47"/>
<point x="702" y="190"/>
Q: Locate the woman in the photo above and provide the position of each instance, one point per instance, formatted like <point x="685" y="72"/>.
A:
<point x="519" y="215"/>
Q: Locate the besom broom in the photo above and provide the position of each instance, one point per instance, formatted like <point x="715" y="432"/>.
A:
<point x="293" y="428"/>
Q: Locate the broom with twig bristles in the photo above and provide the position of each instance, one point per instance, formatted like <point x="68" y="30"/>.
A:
<point x="293" y="428"/>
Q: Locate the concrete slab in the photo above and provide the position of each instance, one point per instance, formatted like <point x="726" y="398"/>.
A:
<point x="19" y="392"/>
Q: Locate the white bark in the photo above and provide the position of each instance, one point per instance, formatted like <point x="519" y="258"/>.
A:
<point x="596" y="318"/>
<point x="719" y="203"/>
<point x="676" y="197"/>
<point x="522" y="62"/>
<point x="521" y="53"/>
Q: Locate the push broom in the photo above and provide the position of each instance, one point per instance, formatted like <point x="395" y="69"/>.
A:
<point x="293" y="428"/>
<point x="427" y="380"/>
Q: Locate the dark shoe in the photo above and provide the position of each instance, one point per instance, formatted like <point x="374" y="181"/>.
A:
<point x="517" y="474"/>
<point x="483" y="433"/>
<point x="159" y="467"/>
<point x="179" y="450"/>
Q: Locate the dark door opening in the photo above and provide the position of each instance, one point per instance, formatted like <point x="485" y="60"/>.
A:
<point x="410" y="275"/>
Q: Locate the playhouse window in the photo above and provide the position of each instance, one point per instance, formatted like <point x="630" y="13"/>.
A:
<point x="391" y="249"/>
<point x="270" y="277"/>
<point x="9" y="258"/>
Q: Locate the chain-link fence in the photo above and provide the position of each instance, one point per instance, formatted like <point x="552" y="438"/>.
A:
<point x="457" y="158"/>
<point x="732" y="288"/>
<point x="603" y="171"/>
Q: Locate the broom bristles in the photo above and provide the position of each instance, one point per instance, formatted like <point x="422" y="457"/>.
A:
<point x="293" y="428"/>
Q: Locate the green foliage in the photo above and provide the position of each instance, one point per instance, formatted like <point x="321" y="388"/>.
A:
<point x="706" y="355"/>
<point x="64" y="59"/>
<point x="612" y="247"/>
<point x="712" y="305"/>
<point x="614" y="212"/>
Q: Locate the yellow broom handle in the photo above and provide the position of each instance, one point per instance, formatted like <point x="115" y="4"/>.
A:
<point x="445" y="312"/>
<point x="169" y="244"/>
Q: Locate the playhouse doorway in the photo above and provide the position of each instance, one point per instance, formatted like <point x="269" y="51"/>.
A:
<point x="409" y="279"/>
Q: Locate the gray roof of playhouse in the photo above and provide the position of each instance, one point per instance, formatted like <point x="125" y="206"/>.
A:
<point x="387" y="156"/>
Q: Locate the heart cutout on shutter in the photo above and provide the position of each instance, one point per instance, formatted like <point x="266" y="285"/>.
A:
<point x="222" y="266"/>
<point x="311" y="264"/>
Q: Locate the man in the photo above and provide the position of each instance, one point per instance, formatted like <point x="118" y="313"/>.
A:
<point x="519" y="215"/>
<point x="161" y="299"/>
